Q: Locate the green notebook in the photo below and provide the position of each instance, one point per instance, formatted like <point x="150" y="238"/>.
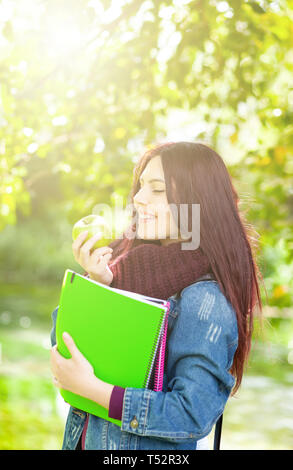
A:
<point x="122" y="334"/>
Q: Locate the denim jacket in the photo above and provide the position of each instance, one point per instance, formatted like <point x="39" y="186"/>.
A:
<point x="202" y="338"/>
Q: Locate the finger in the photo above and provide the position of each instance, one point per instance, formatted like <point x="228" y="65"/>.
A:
<point x="86" y="247"/>
<point x="107" y="257"/>
<point x="104" y="250"/>
<point x="79" y="240"/>
<point x="80" y="237"/>
<point x="80" y="247"/>
<point x="68" y="340"/>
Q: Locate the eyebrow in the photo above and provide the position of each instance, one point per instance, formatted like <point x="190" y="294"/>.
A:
<point x="154" y="179"/>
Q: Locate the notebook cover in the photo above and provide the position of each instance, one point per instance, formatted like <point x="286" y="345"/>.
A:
<point x="119" y="335"/>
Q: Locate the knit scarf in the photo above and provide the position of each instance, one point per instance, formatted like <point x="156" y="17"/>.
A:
<point x="157" y="270"/>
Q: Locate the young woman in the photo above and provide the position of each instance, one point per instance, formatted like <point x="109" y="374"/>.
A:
<point x="210" y="321"/>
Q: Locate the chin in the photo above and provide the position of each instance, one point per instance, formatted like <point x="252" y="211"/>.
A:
<point x="146" y="236"/>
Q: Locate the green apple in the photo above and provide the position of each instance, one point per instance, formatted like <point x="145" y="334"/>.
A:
<point x="93" y="224"/>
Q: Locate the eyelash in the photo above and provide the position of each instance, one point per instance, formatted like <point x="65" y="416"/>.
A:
<point x="156" y="191"/>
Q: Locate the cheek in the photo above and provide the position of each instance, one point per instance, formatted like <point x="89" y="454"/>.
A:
<point x="171" y="223"/>
<point x="165" y="220"/>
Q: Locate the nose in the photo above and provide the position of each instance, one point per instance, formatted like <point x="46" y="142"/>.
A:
<point x="141" y="197"/>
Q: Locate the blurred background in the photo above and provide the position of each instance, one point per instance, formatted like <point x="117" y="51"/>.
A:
<point x="85" y="88"/>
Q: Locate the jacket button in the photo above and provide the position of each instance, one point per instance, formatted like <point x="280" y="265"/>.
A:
<point x="134" y="423"/>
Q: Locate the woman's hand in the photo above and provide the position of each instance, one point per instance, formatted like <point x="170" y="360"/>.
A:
<point x="95" y="263"/>
<point x="77" y="375"/>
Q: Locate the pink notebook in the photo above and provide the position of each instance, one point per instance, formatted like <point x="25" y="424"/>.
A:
<point x="160" y="361"/>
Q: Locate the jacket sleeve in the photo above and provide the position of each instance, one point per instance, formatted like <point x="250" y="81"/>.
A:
<point x="201" y="347"/>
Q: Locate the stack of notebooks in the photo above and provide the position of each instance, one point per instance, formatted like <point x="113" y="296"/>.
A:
<point x="121" y="333"/>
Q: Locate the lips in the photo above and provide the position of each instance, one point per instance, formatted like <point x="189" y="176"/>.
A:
<point x="146" y="216"/>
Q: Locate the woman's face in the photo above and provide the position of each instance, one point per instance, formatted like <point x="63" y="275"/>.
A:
<point x="155" y="220"/>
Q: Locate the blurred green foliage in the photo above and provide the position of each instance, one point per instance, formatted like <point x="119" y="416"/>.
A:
<point x="85" y="88"/>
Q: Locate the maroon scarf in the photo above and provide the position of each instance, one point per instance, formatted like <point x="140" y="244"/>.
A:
<point x="157" y="270"/>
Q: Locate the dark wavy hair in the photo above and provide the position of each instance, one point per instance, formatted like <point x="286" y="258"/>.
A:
<point x="229" y="242"/>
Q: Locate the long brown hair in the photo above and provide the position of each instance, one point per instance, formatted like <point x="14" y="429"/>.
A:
<point x="201" y="177"/>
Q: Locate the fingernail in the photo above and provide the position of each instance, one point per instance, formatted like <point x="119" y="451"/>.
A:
<point x="65" y="335"/>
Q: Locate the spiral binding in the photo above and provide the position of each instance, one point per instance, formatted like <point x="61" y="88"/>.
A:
<point x="159" y="368"/>
<point x="147" y="376"/>
<point x="158" y="343"/>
